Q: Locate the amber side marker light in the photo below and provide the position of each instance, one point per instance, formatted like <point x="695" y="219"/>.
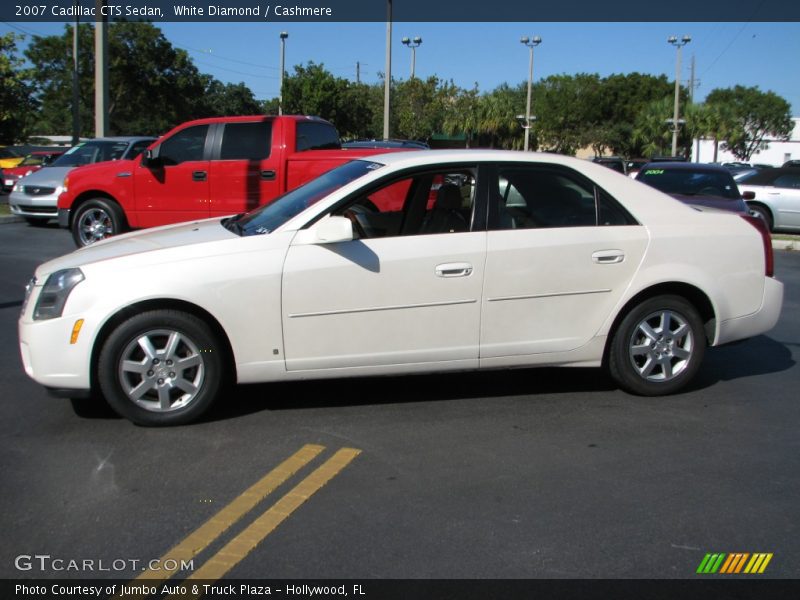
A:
<point x="76" y="330"/>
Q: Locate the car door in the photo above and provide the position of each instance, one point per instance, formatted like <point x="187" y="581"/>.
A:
<point x="785" y="198"/>
<point x="174" y="187"/>
<point x="244" y="169"/>
<point x="406" y="292"/>
<point x="560" y="254"/>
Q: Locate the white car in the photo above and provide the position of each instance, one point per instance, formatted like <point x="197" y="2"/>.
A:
<point x="403" y="263"/>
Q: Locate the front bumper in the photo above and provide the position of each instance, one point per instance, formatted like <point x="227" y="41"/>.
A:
<point x="24" y="205"/>
<point x="63" y="217"/>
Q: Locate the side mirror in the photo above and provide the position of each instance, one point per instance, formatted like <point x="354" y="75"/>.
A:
<point x="333" y="230"/>
<point x="150" y="160"/>
<point x="748" y="195"/>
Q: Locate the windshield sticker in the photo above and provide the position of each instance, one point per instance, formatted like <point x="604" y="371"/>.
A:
<point x="373" y="166"/>
<point x="654" y="172"/>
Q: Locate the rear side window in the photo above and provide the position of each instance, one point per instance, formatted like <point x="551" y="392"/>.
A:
<point x="312" y="135"/>
<point x="539" y="196"/>
<point x="186" y="145"/>
<point x="246" y="141"/>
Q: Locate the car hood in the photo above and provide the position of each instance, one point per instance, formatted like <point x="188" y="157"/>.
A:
<point x="138" y="242"/>
<point x="47" y="176"/>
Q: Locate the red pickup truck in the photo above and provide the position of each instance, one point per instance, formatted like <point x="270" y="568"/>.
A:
<point x="204" y="168"/>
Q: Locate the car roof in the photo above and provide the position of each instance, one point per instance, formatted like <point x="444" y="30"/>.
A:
<point x="687" y="166"/>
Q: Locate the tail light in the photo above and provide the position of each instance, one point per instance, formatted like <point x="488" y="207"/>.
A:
<point x="769" y="259"/>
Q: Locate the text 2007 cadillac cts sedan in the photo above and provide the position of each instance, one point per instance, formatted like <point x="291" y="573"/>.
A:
<point x="403" y="263"/>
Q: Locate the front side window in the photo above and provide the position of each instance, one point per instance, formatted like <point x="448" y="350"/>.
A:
<point x="424" y="203"/>
<point x="246" y="141"/>
<point x="186" y="145"/>
<point x="137" y="148"/>
<point x="788" y="181"/>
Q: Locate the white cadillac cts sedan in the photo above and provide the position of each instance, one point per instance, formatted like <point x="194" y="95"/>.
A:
<point x="403" y="263"/>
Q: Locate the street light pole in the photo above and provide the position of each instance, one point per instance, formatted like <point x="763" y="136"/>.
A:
<point x="413" y="44"/>
<point x="675" y="124"/>
<point x="283" y="36"/>
<point x="530" y="43"/>
<point x="387" y="84"/>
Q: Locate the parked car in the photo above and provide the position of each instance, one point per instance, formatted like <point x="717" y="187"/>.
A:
<point x="791" y="163"/>
<point x="775" y="195"/>
<point x="697" y="184"/>
<point x="9" y="158"/>
<point x="522" y="259"/>
<point x="35" y="197"/>
<point x="30" y="164"/>
<point x="202" y="168"/>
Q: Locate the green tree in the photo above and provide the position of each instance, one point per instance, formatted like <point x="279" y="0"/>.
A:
<point x="16" y="102"/>
<point x="152" y="85"/>
<point x="749" y="117"/>
<point x="226" y="99"/>
<point x="567" y="110"/>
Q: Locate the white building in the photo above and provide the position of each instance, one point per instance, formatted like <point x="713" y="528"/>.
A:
<point x="776" y="153"/>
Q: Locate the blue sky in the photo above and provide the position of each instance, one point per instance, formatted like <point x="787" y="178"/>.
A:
<point x="726" y="54"/>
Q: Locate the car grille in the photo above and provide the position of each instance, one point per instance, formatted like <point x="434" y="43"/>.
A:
<point x="38" y="209"/>
<point x="36" y="190"/>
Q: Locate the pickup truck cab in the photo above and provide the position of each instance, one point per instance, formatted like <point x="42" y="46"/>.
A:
<point x="201" y="169"/>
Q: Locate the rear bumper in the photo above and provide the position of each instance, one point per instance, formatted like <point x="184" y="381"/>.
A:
<point x="758" y="322"/>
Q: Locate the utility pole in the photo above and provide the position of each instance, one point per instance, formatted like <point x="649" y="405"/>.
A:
<point x="283" y="36"/>
<point x="100" y="70"/>
<point x="76" y="92"/>
<point x="679" y="44"/>
<point x="358" y="72"/>
<point x="387" y="84"/>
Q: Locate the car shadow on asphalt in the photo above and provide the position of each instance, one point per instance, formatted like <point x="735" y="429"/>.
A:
<point x="760" y="355"/>
<point x="371" y="391"/>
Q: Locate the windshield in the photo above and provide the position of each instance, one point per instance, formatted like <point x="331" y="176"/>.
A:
<point x="90" y="152"/>
<point x="271" y="216"/>
<point x="691" y="183"/>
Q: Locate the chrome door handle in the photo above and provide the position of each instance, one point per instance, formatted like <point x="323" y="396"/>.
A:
<point x="608" y="257"/>
<point x="453" y="270"/>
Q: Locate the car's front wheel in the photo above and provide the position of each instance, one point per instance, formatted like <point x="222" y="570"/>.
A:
<point x="657" y="347"/>
<point x="96" y="220"/>
<point x="161" y="367"/>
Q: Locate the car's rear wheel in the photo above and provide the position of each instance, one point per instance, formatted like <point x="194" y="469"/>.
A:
<point x="657" y="347"/>
<point x="764" y="213"/>
<point x="95" y="220"/>
<point x="161" y="367"/>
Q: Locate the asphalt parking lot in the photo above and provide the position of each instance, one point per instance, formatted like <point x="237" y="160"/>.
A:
<point x="549" y="473"/>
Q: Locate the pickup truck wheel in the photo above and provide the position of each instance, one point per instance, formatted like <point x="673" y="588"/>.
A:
<point x="161" y="367"/>
<point x="658" y="346"/>
<point x="95" y="220"/>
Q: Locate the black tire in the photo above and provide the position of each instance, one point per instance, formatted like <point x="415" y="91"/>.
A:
<point x="95" y="220"/>
<point x="674" y="346"/>
<point x="37" y="221"/>
<point x="150" y="387"/>
<point x="764" y="213"/>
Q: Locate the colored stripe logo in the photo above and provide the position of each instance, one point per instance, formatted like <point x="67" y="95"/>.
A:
<point x="734" y="563"/>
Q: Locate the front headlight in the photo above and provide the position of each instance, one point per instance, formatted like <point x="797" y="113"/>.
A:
<point x="55" y="292"/>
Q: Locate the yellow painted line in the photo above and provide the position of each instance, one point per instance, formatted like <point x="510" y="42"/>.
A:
<point x="765" y="563"/>
<point x="200" y="539"/>
<point x="239" y="547"/>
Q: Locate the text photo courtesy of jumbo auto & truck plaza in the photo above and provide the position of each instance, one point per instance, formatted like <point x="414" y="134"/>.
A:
<point x="584" y="488"/>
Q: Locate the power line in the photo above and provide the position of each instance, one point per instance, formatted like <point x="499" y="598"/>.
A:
<point x="212" y="55"/>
